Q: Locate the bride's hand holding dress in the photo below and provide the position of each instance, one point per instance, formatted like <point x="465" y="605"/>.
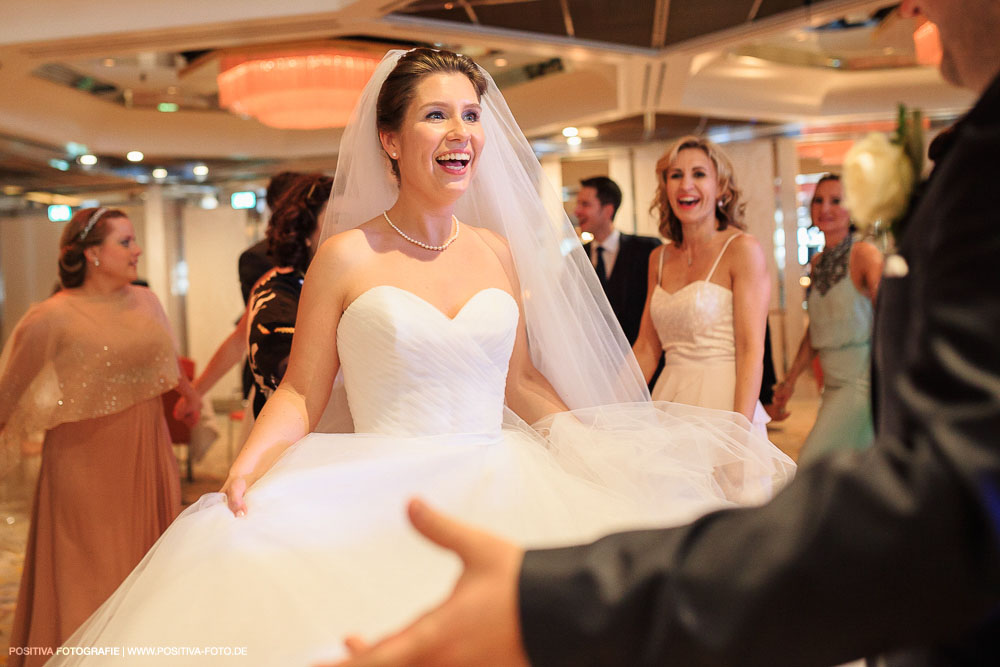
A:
<point x="342" y="266"/>
<point x="294" y="409"/>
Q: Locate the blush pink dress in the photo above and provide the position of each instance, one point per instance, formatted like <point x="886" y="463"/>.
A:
<point x="89" y="373"/>
<point x="695" y="327"/>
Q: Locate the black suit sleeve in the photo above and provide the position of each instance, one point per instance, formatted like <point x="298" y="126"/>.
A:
<point x="896" y="547"/>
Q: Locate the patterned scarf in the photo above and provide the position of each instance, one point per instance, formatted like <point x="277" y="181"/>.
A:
<point x="832" y="265"/>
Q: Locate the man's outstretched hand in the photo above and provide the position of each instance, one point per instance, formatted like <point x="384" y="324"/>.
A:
<point x="478" y="623"/>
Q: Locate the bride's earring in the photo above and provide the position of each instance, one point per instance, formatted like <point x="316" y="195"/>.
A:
<point x="393" y="156"/>
<point x="97" y="262"/>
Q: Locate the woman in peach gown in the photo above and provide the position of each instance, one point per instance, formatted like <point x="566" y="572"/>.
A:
<point x="88" y="366"/>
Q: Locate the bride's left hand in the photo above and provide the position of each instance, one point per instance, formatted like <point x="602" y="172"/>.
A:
<point x="234" y="488"/>
<point x="477" y="625"/>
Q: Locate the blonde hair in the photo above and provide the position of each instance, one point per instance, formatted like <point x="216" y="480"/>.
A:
<point x="730" y="207"/>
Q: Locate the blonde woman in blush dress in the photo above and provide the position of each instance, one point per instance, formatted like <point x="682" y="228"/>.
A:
<point x="88" y="366"/>
<point x="706" y="308"/>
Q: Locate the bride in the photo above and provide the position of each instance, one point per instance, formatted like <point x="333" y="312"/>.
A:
<point x="460" y="307"/>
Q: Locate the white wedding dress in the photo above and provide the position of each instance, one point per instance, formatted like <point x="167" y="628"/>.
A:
<point x="325" y="549"/>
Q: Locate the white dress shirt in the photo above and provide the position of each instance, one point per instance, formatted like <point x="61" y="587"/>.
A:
<point x="610" y="246"/>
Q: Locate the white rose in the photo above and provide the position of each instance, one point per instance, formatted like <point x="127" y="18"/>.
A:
<point x="878" y="179"/>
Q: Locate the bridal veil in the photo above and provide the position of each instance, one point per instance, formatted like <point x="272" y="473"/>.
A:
<point x="573" y="335"/>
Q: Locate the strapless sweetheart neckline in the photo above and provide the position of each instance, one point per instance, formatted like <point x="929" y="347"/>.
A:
<point x="420" y="299"/>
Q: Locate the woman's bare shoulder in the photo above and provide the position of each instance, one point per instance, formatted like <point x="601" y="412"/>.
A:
<point x="745" y="247"/>
<point x="344" y="250"/>
<point x="866" y="252"/>
<point x="495" y="241"/>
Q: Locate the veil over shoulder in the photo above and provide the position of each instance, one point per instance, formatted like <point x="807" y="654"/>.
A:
<point x="575" y="340"/>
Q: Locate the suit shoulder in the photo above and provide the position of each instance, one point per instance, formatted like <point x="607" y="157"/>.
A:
<point x="650" y="242"/>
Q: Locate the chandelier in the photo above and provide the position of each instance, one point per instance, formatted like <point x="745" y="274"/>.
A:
<point x="303" y="90"/>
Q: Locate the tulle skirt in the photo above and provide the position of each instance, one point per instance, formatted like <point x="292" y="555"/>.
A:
<point x="325" y="549"/>
<point x="709" y="385"/>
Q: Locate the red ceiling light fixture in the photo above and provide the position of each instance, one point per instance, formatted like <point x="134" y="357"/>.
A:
<point x="306" y="89"/>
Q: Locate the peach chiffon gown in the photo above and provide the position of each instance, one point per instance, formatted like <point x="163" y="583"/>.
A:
<point x="88" y="372"/>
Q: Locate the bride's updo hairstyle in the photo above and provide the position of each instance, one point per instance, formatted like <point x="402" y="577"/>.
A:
<point x="729" y="208"/>
<point x="87" y="228"/>
<point x="399" y="88"/>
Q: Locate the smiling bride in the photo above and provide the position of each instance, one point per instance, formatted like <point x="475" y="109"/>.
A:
<point x="457" y="302"/>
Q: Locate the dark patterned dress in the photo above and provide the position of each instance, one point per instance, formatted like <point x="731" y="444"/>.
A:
<point x="273" y="304"/>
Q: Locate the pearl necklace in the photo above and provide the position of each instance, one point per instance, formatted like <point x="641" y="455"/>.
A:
<point x="438" y="248"/>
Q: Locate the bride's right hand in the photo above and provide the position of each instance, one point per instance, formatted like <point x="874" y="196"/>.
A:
<point x="234" y="488"/>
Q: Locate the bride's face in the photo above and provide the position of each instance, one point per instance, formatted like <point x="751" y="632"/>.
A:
<point x="440" y="139"/>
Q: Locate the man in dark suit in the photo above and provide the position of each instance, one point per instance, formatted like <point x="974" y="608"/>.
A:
<point x="894" y="551"/>
<point x="620" y="260"/>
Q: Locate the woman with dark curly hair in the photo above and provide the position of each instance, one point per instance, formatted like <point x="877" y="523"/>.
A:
<point x="292" y="235"/>
<point x="264" y="333"/>
<point x="87" y="366"/>
<point x="706" y="308"/>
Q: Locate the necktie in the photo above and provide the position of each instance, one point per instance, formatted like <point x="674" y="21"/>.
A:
<point x="602" y="272"/>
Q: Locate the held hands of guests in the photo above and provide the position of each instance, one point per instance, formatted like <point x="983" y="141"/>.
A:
<point x="782" y="393"/>
<point x="478" y="623"/>
<point x="187" y="409"/>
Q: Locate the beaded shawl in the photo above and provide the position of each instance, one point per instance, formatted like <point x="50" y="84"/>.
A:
<point x="74" y="357"/>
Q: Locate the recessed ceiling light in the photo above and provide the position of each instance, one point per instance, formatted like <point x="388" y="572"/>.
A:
<point x="134" y="156"/>
<point x="159" y="172"/>
<point x="200" y="170"/>
<point x="500" y="62"/>
<point x="570" y="131"/>
<point x="573" y="141"/>
<point x="87" y="159"/>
